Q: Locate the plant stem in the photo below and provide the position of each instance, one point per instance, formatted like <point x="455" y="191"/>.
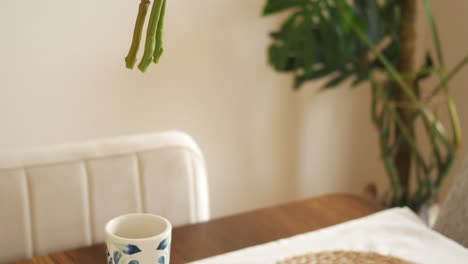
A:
<point x="383" y="122"/>
<point x="407" y="63"/>
<point x="444" y="81"/>
<point x="443" y="84"/>
<point x="454" y="119"/>
<point x="435" y="34"/>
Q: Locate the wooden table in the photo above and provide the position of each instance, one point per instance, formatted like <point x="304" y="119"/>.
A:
<point x="230" y="233"/>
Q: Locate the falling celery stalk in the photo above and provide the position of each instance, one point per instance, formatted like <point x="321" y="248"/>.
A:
<point x="130" y="60"/>
<point x="153" y="44"/>
<point x="151" y="35"/>
<point x="158" y="51"/>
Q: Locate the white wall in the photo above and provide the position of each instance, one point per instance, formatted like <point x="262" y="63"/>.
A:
<point x="338" y="146"/>
<point x="62" y="79"/>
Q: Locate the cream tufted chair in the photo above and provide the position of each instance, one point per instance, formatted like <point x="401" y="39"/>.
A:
<point x="453" y="218"/>
<point x="60" y="197"/>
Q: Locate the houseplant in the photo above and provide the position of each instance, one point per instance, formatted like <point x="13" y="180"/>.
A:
<point x="375" y="42"/>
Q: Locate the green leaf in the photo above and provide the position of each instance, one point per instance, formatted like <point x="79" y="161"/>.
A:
<point x="390" y="15"/>
<point x="320" y="38"/>
<point x="278" y="57"/>
<point x="346" y="14"/>
<point x="359" y="79"/>
<point x="330" y="39"/>
<point x="305" y="46"/>
<point x="275" y="6"/>
<point x="300" y="79"/>
<point x="391" y="70"/>
<point x="342" y="76"/>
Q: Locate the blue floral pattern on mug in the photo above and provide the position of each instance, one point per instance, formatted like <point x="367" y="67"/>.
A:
<point x="125" y="252"/>
<point x="117" y="256"/>
<point x="128" y="249"/>
<point x="162" y="245"/>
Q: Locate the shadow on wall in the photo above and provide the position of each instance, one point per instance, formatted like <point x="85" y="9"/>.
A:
<point x="338" y="144"/>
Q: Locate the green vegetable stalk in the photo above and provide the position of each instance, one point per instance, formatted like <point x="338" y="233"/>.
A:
<point x="151" y="35"/>
<point x="158" y="51"/>
<point x="130" y="60"/>
<point x="153" y="44"/>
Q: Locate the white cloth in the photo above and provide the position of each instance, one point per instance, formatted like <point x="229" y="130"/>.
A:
<point x="397" y="232"/>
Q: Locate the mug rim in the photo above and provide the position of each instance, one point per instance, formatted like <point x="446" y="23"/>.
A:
<point x="163" y="234"/>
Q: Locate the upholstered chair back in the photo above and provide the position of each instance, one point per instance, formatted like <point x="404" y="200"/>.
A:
<point x="60" y="197"/>
<point x="453" y="218"/>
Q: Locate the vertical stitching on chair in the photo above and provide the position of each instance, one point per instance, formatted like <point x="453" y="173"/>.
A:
<point x="194" y="206"/>
<point x="141" y="183"/>
<point x="89" y="202"/>
<point x="29" y="226"/>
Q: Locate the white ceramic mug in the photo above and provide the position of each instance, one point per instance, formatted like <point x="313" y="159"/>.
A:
<point x="138" y="239"/>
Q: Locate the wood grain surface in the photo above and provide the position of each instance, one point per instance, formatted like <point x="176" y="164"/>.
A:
<point x="230" y="233"/>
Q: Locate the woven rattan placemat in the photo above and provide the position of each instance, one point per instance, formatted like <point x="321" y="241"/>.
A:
<point x="344" y="257"/>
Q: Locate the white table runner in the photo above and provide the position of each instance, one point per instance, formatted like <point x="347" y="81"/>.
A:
<point x="397" y="232"/>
